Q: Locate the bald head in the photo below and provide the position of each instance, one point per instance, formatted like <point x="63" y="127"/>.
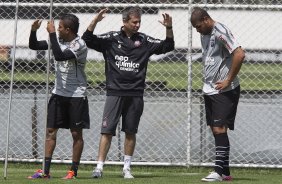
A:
<point x="202" y="21"/>
<point x="199" y="14"/>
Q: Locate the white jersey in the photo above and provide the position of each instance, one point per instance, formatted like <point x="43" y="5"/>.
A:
<point x="70" y="75"/>
<point x="217" y="59"/>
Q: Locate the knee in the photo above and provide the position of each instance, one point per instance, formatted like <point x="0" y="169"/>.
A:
<point x="77" y="135"/>
<point x="130" y="136"/>
<point x="107" y="136"/>
<point x="219" y="130"/>
<point x="51" y="134"/>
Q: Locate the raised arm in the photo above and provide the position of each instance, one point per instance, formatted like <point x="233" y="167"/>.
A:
<point x="167" y="22"/>
<point x="97" y="19"/>
<point x="163" y="46"/>
<point x="57" y="51"/>
<point x="34" y="44"/>
<point x="93" y="41"/>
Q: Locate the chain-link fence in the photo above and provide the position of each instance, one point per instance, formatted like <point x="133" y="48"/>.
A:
<point x="172" y="129"/>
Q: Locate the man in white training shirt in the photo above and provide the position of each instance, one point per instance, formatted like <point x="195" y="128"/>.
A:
<point x="222" y="57"/>
<point x="68" y="105"/>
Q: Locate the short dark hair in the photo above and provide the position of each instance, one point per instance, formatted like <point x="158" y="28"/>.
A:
<point x="70" y="21"/>
<point x="198" y="14"/>
<point x="132" y="10"/>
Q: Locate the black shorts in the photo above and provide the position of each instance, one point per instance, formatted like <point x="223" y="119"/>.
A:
<point x="68" y="112"/>
<point x="130" y="108"/>
<point x="221" y="108"/>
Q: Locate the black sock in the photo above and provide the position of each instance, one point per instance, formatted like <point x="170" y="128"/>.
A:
<point x="221" y="149"/>
<point x="47" y="163"/>
<point x="226" y="170"/>
<point x="74" y="167"/>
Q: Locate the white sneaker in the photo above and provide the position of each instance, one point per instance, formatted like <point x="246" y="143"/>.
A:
<point x="97" y="173"/>
<point x="127" y="174"/>
<point x="213" y="176"/>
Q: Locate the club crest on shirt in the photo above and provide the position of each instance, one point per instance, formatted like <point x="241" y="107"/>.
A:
<point x="137" y="43"/>
<point x="212" y="43"/>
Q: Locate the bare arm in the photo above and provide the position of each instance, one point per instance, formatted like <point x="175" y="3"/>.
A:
<point x="93" y="41"/>
<point x="97" y="19"/>
<point x="237" y="60"/>
<point x="167" y="22"/>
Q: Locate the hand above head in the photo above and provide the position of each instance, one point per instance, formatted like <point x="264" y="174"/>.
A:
<point x="36" y="24"/>
<point x="167" y="22"/>
<point x="97" y="19"/>
<point x="51" y="27"/>
<point x="100" y="15"/>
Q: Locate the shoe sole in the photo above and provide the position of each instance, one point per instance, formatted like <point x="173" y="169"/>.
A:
<point x="73" y="178"/>
<point x="97" y="176"/>
<point x="210" y="180"/>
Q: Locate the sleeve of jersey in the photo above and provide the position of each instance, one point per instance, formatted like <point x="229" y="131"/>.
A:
<point x="228" y="41"/>
<point x="94" y="41"/>
<point x="57" y="51"/>
<point x="157" y="46"/>
<point x="34" y="44"/>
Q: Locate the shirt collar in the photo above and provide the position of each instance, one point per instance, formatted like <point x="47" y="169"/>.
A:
<point x="124" y="34"/>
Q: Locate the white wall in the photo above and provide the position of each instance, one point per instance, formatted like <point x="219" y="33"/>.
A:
<point x="253" y="29"/>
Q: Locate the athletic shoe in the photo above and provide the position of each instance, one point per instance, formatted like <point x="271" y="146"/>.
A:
<point x="97" y="173"/>
<point x="69" y="176"/>
<point x="38" y="175"/>
<point x="227" y="178"/>
<point x="127" y="174"/>
<point x="213" y="176"/>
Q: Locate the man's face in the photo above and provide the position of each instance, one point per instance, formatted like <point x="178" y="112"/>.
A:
<point x="63" y="31"/>
<point x="202" y="26"/>
<point x="133" y="24"/>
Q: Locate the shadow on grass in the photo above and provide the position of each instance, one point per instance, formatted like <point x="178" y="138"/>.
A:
<point x="245" y="179"/>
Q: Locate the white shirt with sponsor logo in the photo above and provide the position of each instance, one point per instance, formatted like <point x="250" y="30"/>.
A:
<point x="217" y="51"/>
<point x="70" y="75"/>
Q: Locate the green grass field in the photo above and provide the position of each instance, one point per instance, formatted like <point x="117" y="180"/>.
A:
<point x="17" y="173"/>
<point x="252" y="76"/>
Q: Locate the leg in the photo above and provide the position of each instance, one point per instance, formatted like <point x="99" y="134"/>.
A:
<point x="222" y="150"/>
<point x="76" y="119"/>
<point x="111" y="116"/>
<point x="132" y="113"/>
<point x="50" y="144"/>
<point x="229" y="100"/>
<point x="54" y="117"/>
<point x="104" y="146"/>
<point x="78" y="144"/>
<point x="129" y="146"/>
<point x="220" y="114"/>
<point x="131" y="118"/>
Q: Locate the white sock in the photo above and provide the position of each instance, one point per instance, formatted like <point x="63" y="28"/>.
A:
<point x="127" y="161"/>
<point x="100" y="165"/>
